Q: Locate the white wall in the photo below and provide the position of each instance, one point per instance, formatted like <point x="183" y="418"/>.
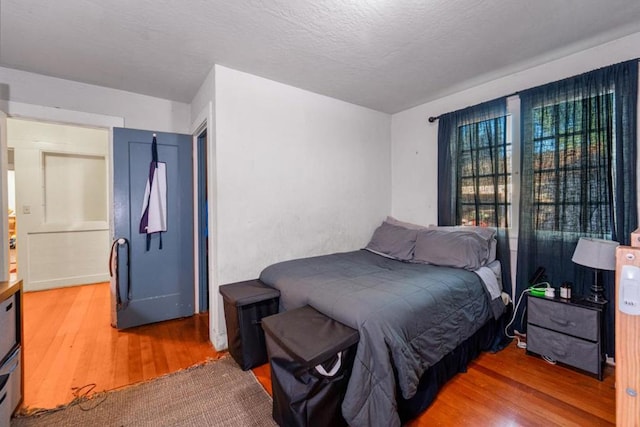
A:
<point x="298" y="174"/>
<point x="138" y="111"/>
<point x="202" y="99"/>
<point x="414" y="139"/>
<point x="62" y="214"/>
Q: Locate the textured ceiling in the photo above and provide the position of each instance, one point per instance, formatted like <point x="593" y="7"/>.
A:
<point x="388" y="55"/>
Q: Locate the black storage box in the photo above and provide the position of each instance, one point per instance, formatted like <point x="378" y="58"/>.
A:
<point x="245" y="304"/>
<point x="311" y="358"/>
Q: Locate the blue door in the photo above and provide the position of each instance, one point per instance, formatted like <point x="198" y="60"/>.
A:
<point x="153" y="280"/>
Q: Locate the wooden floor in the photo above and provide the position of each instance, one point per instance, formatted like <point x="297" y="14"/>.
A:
<point x="69" y="343"/>
<point x="512" y="389"/>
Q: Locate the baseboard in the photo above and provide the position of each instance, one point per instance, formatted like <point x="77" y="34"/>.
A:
<point x="219" y="341"/>
<point x="43" y="285"/>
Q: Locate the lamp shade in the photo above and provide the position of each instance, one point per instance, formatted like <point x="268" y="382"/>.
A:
<point x="596" y="253"/>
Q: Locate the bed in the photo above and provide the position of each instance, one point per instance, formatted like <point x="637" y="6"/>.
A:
<point x="410" y="313"/>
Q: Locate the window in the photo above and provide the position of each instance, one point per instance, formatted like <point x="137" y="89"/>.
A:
<point x="571" y="159"/>
<point x="475" y="172"/>
<point x="484" y="173"/>
<point x="570" y="171"/>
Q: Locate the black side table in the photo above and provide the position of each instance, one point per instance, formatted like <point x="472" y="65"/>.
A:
<point x="567" y="331"/>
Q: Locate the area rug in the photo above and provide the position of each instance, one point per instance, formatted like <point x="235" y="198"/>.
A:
<point x="217" y="393"/>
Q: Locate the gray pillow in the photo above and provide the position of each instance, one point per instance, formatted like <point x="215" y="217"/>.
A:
<point x="487" y="233"/>
<point x="459" y="249"/>
<point x="393" y="241"/>
<point x="408" y="225"/>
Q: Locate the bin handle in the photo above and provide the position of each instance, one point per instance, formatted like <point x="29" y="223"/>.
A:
<point x="333" y="370"/>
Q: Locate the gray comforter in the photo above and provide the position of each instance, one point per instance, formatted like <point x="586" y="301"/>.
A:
<point x="408" y="315"/>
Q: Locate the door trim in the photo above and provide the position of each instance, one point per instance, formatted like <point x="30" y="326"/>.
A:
<point x="196" y="131"/>
<point x="4" y="199"/>
<point x="217" y="331"/>
<point x="200" y="211"/>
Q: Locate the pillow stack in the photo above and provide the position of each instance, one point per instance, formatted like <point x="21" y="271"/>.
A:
<point x="460" y="247"/>
<point x="393" y="241"/>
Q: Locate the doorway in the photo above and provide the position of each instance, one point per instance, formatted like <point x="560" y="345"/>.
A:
<point x="59" y="175"/>
<point x="203" y="223"/>
<point x="11" y="192"/>
<point x="134" y="339"/>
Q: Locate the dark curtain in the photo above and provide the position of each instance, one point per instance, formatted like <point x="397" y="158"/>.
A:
<point x="578" y="166"/>
<point x="474" y="173"/>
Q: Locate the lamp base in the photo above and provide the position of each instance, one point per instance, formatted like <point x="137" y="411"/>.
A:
<point x="597" y="292"/>
<point x="597" y="299"/>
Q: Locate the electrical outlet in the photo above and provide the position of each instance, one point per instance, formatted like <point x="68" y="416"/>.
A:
<point x="26" y="209"/>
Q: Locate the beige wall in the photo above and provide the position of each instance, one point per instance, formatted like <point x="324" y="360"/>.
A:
<point x="61" y="191"/>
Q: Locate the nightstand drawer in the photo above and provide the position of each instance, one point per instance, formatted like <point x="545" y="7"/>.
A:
<point x="577" y="321"/>
<point x="572" y="351"/>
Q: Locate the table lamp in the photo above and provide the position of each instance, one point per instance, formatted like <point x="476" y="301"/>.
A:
<point x="598" y="254"/>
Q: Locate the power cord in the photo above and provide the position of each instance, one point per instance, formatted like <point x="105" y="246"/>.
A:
<point x="82" y="397"/>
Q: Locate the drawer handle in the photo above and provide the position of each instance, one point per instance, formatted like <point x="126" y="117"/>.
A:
<point x="11" y="359"/>
<point x="560" y="352"/>
<point x="561" y="322"/>
<point x="9" y="307"/>
<point x="13" y="368"/>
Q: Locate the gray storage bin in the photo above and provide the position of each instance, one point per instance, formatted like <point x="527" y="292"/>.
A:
<point x="5" y="400"/>
<point x="7" y="326"/>
<point x="12" y="369"/>
<point x="564" y="348"/>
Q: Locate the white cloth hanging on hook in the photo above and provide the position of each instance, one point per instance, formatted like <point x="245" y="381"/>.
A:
<point x="153" y="218"/>
<point x="155" y="199"/>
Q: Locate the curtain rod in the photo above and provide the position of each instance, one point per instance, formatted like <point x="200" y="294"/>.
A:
<point x="434" y="118"/>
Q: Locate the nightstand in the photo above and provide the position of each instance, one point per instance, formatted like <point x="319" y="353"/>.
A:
<point x="567" y="331"/>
